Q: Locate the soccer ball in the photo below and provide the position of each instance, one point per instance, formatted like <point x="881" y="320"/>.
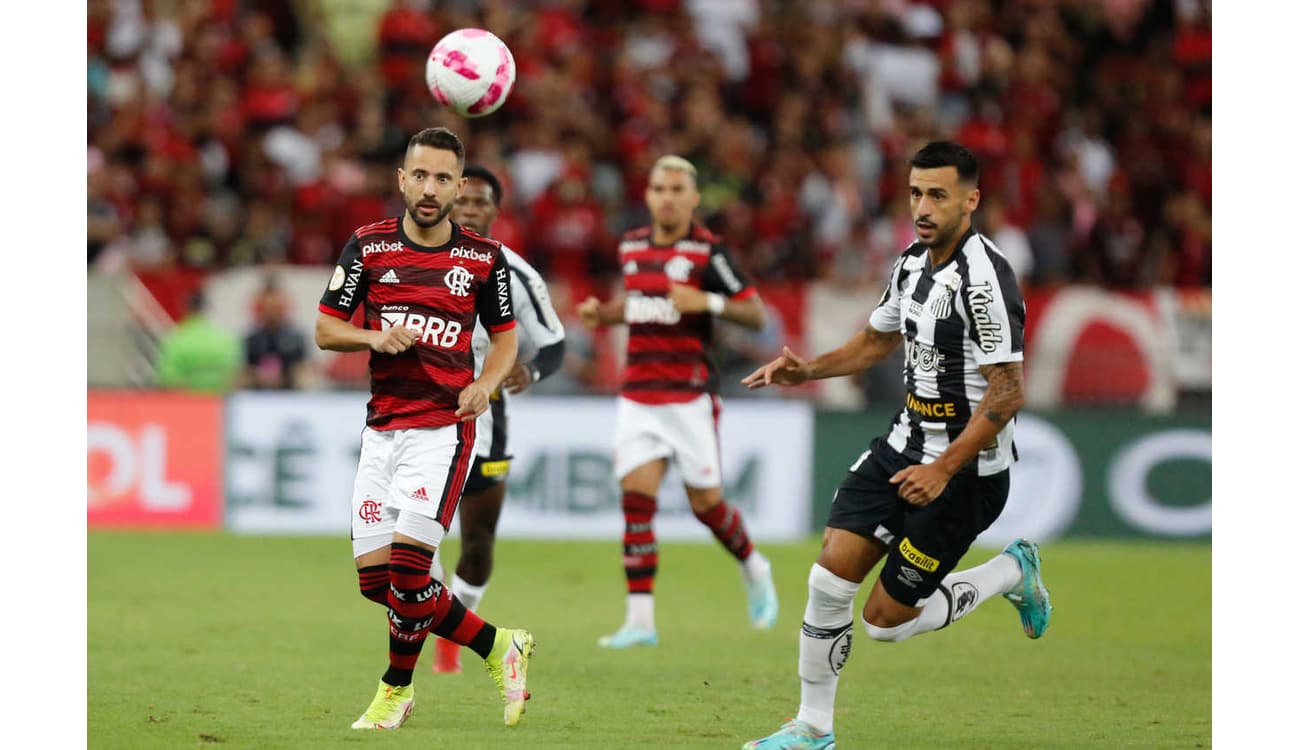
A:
<point x="471" y="71"/>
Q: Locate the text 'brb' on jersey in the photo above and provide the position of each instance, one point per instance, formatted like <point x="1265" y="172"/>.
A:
<point x="438" y="292"/>
<point x="667" y="360"/>
<point x="954" y="319"/>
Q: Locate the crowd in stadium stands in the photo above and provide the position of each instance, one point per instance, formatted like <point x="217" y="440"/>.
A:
<point x="225" y="132"/>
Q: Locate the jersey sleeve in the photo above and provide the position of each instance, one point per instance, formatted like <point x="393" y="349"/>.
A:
<point x="494" y="303"/>
<point x="347" y="287"/>
<point x="888" y="317"/>
<point x="724" y="276"/>
<point x="995" y="310"/>
<point x="533" y="308"/>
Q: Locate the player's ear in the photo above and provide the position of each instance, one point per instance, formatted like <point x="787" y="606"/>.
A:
<point x="401" y="179"/>
<point x="972" y="200"/>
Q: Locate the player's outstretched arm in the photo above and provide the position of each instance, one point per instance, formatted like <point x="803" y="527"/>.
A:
<point x="864" y="350"/>
<point x="593" y="313"/>
<point x="341" y="336"/>
<point x="473" y="399"/>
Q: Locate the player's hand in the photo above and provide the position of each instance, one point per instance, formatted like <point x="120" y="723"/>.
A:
<point x="519" y="379"/>
<point x="395" y="340"/>
<point x="787" y="369"/>
<point x="589" y="312"/>
<point x="688" y="299"/>
<point x="473" y="401"/>
<point x="920" y="484"/>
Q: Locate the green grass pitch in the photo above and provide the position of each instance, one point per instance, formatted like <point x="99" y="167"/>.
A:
<point x="212" y="640"/>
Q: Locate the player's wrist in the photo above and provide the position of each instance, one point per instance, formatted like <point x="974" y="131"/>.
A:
<point x="715" y="303"/>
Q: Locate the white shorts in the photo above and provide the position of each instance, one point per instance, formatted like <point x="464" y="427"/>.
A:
<point x="685" y="433"/>
<point x="418" y="471"/>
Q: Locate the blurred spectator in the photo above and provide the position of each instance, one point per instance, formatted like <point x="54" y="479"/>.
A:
<point x="197" y="355"/>
<point x="991" y="220"/>
<point x="275" y="351"/>
<point x="224" y="134"/>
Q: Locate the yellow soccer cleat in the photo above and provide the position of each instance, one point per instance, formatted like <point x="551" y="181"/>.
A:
<point x="389" y="709"/>
<point x="508" y="665"/>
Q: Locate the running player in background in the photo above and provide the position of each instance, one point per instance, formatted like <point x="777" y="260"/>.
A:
<point x="677" y="276"/>
<point x="423" y="284"/>
<point x="485" y="490"/>
<point x="920" y="494"/>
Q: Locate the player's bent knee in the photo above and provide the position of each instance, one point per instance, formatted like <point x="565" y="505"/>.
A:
<point x="892" y="634"/>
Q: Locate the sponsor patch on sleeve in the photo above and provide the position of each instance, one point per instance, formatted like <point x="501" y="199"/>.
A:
<point x="336" y="281"/>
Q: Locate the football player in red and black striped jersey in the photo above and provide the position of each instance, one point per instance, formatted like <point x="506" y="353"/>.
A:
<point x="678" y="276"/>
<point x="421" y="284"/>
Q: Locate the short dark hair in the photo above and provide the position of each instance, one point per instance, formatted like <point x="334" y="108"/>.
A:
<point x="936" y="154"/>
<point x="483" y="173"/>
<point x="441" y="138"/>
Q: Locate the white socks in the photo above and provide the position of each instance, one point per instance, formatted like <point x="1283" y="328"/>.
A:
<point x="468" y="595"/>
<point x="824" y="645"/>
<point x="641" y="611"/>
<point x="958" y="595"/>
<point x="755" y="567"/>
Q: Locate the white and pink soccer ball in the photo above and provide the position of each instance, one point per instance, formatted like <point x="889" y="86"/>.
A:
<point x="471" y="71"/>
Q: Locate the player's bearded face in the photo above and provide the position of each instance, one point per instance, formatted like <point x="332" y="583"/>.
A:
<point x="941" y="205"/>
<point x="671" y="197"/>
<point x="430" y="181"/>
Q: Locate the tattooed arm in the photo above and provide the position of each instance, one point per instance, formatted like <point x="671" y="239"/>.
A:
<point x="922" y="483"/>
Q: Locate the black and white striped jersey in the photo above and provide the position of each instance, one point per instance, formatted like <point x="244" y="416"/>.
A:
<point x="539" y="326"/>
<point x="954" y="319"/>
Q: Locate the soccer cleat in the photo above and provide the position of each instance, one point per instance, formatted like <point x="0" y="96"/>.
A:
<point x="389" y="709"/>
<point x="629" y="636"/>
<point x="762" y="601"/>
<point x="793" y="735"/>
<point x="446" y="657"/>
<point x="1030" y="597"/>
<point x="508" y="665"/>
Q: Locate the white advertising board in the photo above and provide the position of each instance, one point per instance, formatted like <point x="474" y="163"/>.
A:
<point x="291" y="459"/>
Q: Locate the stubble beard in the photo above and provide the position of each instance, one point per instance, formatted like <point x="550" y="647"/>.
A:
<point x="413" y="209"/>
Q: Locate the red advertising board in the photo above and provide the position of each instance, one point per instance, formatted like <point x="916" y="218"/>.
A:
<point x="153" y="459"/>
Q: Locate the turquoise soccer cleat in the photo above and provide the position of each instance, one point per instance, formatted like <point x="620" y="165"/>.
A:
<point x="1030" y="597"/>
<point x="762" y="602"/>
<point x="793" y="735"/>
<point x="629" y="636"/>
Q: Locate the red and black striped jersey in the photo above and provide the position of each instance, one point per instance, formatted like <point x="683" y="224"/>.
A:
<point x="437" y="291"/>
<point x="667" y="359"/>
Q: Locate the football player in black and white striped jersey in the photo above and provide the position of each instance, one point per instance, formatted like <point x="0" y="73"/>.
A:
<point x="540" y="332"/>
<point x="922" y="492"/>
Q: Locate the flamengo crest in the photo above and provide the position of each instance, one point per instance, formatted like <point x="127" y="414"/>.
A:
<point x="458" y="280"/>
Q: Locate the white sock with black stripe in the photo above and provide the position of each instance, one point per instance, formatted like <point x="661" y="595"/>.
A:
<point x="958" y="595"/>
<point x="824" y="644"/>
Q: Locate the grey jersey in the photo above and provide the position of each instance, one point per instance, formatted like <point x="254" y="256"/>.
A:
<point x="954" y="319"/>
<point x="538" y="326"/>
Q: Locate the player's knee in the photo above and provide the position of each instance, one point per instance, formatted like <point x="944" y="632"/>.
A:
<point x="889" y="632"/>
<point x="824" y="587"/>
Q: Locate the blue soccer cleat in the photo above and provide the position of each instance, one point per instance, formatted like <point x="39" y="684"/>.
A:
<point x="629" y="636"/>
<point x="762" y="601"/>
<point x="793" y="735"/>
<point x="1030" y="597"/>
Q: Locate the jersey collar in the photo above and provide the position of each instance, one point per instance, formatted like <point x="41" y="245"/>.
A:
<point x="451" y="242"/>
